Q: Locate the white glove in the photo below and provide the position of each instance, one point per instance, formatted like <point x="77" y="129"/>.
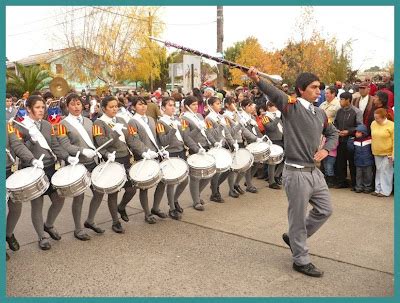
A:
<point x="38" y="163"/>
<point x="146" y="156"/>
<point x="278" y="113"/>
<point x="111" y="157"/>
<point x="202" y="151"/>
<point x="218" y="144"/>
<point x="252" y="122"/>
<point x="34" y="133"/>
<point x="89" y="153"/>
<point x="73" y="160"/>
<point x="236" y="146"/>
<point x="152" y="154"/>
<point x="260" y="140"/>
<point x="270" y="115"/>
<point x="118" y="127"/>
<point x="243" y="121"/>
<point x="165" y="154"/>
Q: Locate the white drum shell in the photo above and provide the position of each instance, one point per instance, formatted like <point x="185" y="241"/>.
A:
<point x="108" y="177"/>
<point x="145" y="174"/>
<point x="201" y="166"/>
<point x="27" y="184"/>
<point x="174" y="170"/>
<point x="276" y="155"/>
<point x="260" y="151"/>
<point x="71" y="180"/>
<point x="242" y="160"/>
<point x="223" y="158"/>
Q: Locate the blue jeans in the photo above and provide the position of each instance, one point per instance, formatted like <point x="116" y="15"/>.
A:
<point x="329" y="166"/>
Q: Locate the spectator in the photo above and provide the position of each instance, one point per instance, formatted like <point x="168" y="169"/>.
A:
<point x="258" y="97"/>
<point x="363" y="159"/>
<point x="11" y="110"/>
<point x="339" y="88"/>
<point x="332" y="104"/>
<point x="372" y="87"/>
<point x="364" y="102"/>
<point x="346" y="121"/>
<point x="385" y="87"/>
<point x="382" y="132"/>
<point x="321" y="98"/>
<point x="380" y="100"/>
<point x="153" y="109"/>
<point x="285" y="88"/>
<point x="329" y="165"/>
<point x="86" y="109"/>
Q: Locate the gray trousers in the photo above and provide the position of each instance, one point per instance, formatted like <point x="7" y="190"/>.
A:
<point x="196" y="186"/>
<point x="364" y="177"/>
<point x="301" y="188"/>
<point x="158" y="194"/>
<point x="14" y="213"/>
<point x="274" y="171"/>
<point x="217" y="180"/>
<point x="77" y="203"/>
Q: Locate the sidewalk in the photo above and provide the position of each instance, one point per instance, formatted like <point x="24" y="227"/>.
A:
<point x="230" y="249"/>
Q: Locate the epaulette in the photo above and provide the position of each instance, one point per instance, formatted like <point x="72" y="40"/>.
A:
<point x="62" y="130"/>
<point x="160" y="128"/>
<point x="184" y="124"/>
<point x="132" y="131"/>
<point x="97" y="131"/>
<point x="265" y="120"/>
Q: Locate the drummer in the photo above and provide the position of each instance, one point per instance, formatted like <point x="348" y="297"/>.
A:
<point x="219" y="135"/>
<point x="240" y="134"/>
<point x="75" y="135"/>
<point x="104" y="128"/>
<point x="40" y="139"/>
<point x="194" y="137"/>
<point x="169" y="132"/>
<point x="147" y="149"/>
<point x="247" y="112"/>
<point x="14" y="147"/>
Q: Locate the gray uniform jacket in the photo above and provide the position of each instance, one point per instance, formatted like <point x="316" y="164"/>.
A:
<point x="15" y="146"/>
<point x="102" y="132"/>
<point x="71" y="140"/>
<point x="11" y="114"/>
<point x="215" y="132"/>
<point x="192" y="135"/>
<point x="239" y="132"/>
<point x="143" y="142"/>
<point x="272" y="129"/>
<point x="49" y="134"/>
<point x="166" y="135"/>
<point x="250" y="127"/>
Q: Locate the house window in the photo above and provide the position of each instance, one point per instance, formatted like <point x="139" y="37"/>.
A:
<point x="59" y="69"/>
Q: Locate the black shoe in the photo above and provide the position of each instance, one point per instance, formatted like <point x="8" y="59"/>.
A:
<point x="239" y="189"/>
<point x="124" y="215"/>
<point x="367" y="191"/>
<point x="353" y="189"/>
<point x="12" y="243"/>
<point x="285" y="238"/>
<point x="178" y="207"/>
<point x="216" y="198"/>
<point x="117" y="227"/>
<point x="252" y="189"/>
<point x="233" y="193"/>
<point x="7" y="257"/>
<point x="81" y="235"/>
<point x="274" y="186"/>
<point x="93" y="227"/>
<point x="358" y="191"/>
<point x="341" y="185"/>
<point x="308" y="269"/>
<point x="159" y="213"/>
<point x="278" y="180"/>
<point x="175" y="214"/>
<point x="44" y="243"/>
<point x="52" y="232"/>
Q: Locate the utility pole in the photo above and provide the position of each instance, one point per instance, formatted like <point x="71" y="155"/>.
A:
<point x="220" y="39"/>
<point x="151" y="34"/>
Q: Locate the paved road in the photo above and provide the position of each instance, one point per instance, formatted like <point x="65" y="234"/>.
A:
<point x="230" y="249"/>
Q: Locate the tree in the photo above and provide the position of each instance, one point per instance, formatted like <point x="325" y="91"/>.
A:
<point x="373" y="69"/>
<point x="111" y="40"/>
<point x="30" y="78"/>
<point x="231" y="54"/>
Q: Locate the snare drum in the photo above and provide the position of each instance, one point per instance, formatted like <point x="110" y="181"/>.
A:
<point x="276" y="155"/>
<point x="223" y="158"/>
<point x="71" y="180"/>
<point x="201" y="166"/>
<point x="145" y="173"/>
<point x="108" y="177"/>
<point x="260" y="151"/>
<point x="242" y="160"/>
<point x="27" y="184"/>
<point x="174" y="170"/>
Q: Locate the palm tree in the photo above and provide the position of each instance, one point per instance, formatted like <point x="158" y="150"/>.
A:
<point x="28" y="78"/>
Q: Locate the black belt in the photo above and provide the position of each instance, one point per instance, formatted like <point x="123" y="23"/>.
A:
<point x="305" y="169"/>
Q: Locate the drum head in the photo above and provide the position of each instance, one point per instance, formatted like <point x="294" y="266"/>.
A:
<point x="68" y="174"/>
<point x="223" y="158"/>
<point x="241" y="158"/>
<point x="173" y="168"/>
<point x="258" y="147"/>
<point x="144" y="170"/>
<point x="110" y="176"/>
<point x="276" y="150"/>
<point x="201" y="161"/>
<point x="23" y="177"/>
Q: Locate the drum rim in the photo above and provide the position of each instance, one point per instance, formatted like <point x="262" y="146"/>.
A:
<point x="42" y="175"/>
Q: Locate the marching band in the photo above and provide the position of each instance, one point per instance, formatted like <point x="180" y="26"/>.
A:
<point x="121" y="150"/>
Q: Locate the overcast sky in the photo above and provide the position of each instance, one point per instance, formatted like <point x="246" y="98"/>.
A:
<point x="32" y="30"/>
